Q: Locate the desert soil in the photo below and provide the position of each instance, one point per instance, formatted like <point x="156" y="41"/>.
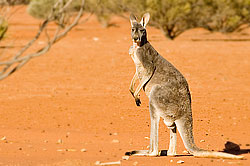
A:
<point x="72" y="105"/>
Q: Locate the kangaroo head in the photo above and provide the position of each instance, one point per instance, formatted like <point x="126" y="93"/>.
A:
<point x="138" y="30"/>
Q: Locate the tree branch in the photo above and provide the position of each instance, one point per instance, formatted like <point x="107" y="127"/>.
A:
<point x="20" y="59"/>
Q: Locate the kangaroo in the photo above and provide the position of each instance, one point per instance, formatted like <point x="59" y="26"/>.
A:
<point x="168" y="93"/>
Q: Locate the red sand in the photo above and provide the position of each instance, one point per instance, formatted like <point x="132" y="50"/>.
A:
<point x="76" y="97"/>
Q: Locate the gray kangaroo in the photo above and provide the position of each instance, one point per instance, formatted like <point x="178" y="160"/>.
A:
<point x="168" y="93"/>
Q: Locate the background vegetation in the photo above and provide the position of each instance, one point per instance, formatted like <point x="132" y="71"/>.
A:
<point x="173" y="17"/>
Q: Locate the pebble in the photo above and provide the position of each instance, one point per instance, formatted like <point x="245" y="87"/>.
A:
<point x="83" y="150"/>
<point x="70" y="150"/>
<point x="3" y="138"/>
<point x="135" y="163"/>
<point x="60" y="150"/>
<point x="95" y="38"/>
<point x="60" y="141"/>
<point x="108" y="163"/>
<point x="125" y="157"/>
<point x="115" y="141"/>
<point x="180" y="162"/>
<point x="202" y="140"/>
<point x="97" y="162"/>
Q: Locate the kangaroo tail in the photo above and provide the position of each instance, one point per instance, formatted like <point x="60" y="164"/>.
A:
<point x="211" y="154"/>
<point x="185" y="127"/>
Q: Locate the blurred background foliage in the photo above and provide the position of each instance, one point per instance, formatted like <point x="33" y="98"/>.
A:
<point x="173" y="17"/>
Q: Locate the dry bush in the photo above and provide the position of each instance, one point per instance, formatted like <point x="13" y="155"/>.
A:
<point x="3" y="27"/>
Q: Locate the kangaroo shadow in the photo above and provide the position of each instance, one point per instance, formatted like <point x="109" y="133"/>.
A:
<point x="241" y="151"/>
<point x="230" y="147"/>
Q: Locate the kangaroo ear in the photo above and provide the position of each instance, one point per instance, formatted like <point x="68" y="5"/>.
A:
<point x="145" y="19"/>
<point x="132" y="19"/>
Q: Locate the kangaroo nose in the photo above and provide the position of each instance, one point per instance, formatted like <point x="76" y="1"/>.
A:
<point x="136" y="38"/>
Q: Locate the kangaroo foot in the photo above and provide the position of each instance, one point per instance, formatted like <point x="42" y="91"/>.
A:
<point x="142" y="153"/>
<point x="171" y="152"/>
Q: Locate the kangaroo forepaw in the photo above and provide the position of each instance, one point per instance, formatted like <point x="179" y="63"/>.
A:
<point x="138" y="101"/>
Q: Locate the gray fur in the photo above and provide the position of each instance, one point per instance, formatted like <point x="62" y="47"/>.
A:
<point x="168" y="92"/>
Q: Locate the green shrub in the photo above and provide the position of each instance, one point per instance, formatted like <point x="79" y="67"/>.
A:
<point x="42" y="8"/>
<point x="173" y="17"/>
<point x="14" y="2"/>
<point x="103" y="9"/>
<point x="223" y="15"/>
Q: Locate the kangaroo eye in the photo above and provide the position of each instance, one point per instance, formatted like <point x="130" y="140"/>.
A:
<point x="142" y="30"/>
<point x="133" y="29"/>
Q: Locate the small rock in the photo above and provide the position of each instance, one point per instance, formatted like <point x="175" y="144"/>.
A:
<point x="135" y="163"/>
<point x="67" y="134"/>
<point x="60" y="141"/>
<point x="146" y="137"/>
<point x="83" y="150"/>
<point x="202" y="140"/>
<point x="115" y="141"/>
<point x="97" y="162"/>
<point x="115" y="133"/>
<point x="108" y="163"/>
<point x="125" y="157"/>
<point x="70" y="150"/>
<point x="171" y="161"/>
<point x="230" y="146"/>
<point x="60" y="150"/>
<point x="180" y="162"/>
<point x="185" y="152"/>
<point x="95" y="38"/>
<point x="3" y="138"/>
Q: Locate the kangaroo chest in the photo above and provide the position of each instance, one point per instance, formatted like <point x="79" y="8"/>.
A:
<point x="139" y="67"/>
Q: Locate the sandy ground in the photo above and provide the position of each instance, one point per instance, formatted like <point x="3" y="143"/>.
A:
<point x="76" y="96"/>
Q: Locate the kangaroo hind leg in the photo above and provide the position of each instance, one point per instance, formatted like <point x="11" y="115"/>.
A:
<point x="173" y="138"/>
<point x="153" y="147"/>
<point x="185" y="128"/>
